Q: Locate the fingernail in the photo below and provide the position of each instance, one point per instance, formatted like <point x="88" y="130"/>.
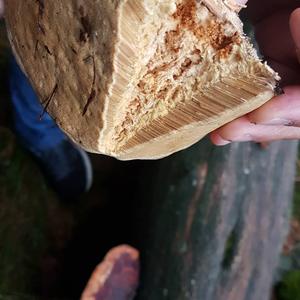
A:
<point x="223" y="142"/>
<point x="278" y="121"/>
<point x="218" y="140"/>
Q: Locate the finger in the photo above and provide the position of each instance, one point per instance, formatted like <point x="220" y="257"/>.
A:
<point x="237" y="130"/>
<point x="295" y="29"/>
<point x="259" y="10"/>
<point x="242" y="130"/>
<point x="281" y="110"/>
<point x="266" y="122"/>
<point x="275" y="40"/>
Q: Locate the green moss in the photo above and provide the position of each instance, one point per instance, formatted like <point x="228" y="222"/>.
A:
<point x="289" y="287"/>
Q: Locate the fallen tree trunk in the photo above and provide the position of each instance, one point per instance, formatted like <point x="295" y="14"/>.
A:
<point x="217" y="221"/>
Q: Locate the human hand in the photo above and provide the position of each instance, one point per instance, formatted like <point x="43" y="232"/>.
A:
<point x="277" y="26"/>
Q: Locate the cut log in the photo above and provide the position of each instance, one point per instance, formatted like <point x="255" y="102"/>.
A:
<point x="138" y="79"/>
<point x="217" y="219"/>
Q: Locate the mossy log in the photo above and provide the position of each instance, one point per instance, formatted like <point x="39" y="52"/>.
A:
<point x="217" y="219"/>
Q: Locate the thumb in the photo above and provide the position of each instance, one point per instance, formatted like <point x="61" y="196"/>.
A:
<point x="295" y="29"/>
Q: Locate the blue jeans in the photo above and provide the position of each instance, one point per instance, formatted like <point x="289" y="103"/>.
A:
<point x="35" y="134"/>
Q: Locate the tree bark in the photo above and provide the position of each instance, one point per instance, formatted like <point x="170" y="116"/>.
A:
<point x="217" y="219"/>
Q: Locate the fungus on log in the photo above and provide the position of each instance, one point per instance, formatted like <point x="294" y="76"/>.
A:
<point x="138" y="78"/>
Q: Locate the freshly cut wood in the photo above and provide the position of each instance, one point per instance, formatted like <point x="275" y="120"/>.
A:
<point x="138" y="78"/>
